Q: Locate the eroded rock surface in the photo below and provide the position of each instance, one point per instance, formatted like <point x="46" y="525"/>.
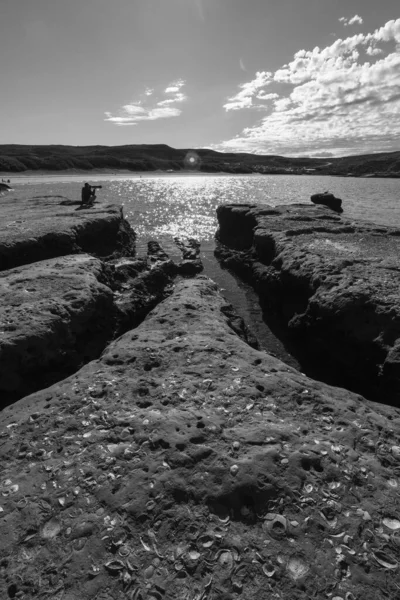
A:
<point x="48" y="226"/>
<point x="54" y="315"/>
<point x="185" y="464"/>
<point x="333" y="283"/>
<point x="57" y="314"/>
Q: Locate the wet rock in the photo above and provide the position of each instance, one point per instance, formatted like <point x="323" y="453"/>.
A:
<point x="185" y="463"/>
<point x="329" y="200"/>
<point x="333" y="285"/>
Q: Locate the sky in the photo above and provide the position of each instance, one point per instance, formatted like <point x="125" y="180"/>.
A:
<point x="287" y="77"/>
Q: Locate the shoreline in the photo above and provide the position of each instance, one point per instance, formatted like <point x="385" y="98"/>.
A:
<point x="120" y="173"/>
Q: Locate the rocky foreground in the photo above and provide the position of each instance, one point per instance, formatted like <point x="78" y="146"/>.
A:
<point x="332" y="284"/>
<point x="183" y="463"/>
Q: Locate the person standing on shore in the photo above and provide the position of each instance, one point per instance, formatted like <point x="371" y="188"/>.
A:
<point x="88" y="194"/>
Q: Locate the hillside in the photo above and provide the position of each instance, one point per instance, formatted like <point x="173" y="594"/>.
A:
<point x="19" y="158"/>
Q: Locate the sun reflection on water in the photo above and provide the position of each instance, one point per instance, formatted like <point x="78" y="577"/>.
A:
<point x="175" y="206"/>
<point x="162" y="207"/>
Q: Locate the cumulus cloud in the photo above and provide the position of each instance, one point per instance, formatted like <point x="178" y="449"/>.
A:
<point x="142" y="110"/>
<point x="174" y="87"/>
<point x="344" y="98"/>
<point x="352" y="21"/>
<point x="244" y="98"/>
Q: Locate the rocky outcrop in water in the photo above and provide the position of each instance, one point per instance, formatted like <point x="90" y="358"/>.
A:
<point x="333" y="284"/>
<point x="186" y="464"/>
<point x="329" y="200"/>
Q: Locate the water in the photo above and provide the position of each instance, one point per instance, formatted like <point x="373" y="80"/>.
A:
<point x="163" y="206"/>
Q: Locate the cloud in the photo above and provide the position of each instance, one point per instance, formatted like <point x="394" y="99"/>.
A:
<point x="344" y="98"/>
<point x="179" y="97"/>
<point x="356" y="19"/>
<point x="242" y="65"/>
<point x="263" y="96"/>
<point x="244" y="98"/>
<point x="141" y="110"/>
<point x="174" y="87"/>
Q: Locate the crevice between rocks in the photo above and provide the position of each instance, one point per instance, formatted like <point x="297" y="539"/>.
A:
<point x="81" y="324"/>
<point x="350" y="344"/>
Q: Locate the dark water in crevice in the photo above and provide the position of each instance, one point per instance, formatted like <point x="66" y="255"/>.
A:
<point x="238" y="293"/>
<point x="246" y="303"/>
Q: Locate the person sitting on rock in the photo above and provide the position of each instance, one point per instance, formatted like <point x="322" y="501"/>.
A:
<point x="88" y="194"/>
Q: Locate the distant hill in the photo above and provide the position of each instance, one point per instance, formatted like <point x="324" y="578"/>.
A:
<point x="144" y="157"/>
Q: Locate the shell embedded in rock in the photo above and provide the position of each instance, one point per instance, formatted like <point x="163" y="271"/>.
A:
<point x="178" y="565"/>
<point x="124" y="550"/>
<point x="234" y="469"/>
<point x="114" y="566"/>
<point x="191" y="558"/>
<point x="393" y="524"/>
<point x="206" y="541"/>
<point x="297" y="568"/>
<point x="268" y="570"/>
<point x="385" y="560"/>
<point x="396" y="452"/>
<point x="225" y="559"/>
<point x="51" y="529"/>
<point x="277" y="524"/>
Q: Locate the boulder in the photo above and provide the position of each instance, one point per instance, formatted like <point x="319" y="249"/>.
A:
<point x="184" y="463"/>
<point x="329" y="200"/>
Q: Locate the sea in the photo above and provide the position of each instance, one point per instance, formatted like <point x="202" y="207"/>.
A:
<point x="162" y="206"/>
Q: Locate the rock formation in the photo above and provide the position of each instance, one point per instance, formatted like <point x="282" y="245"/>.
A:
<point x="60" y="313"/>
<point x="184" y="463"/>
<point x="49" y="226"/>
<point x="334" y="285"/>
<point x="328" y="200"/>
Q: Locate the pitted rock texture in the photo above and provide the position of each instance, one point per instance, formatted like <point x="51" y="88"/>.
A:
<point x="57" y="314"/>
<point x="43" y="227"/>
<point x="333" y="283"/>
<point x="185" y="464"/>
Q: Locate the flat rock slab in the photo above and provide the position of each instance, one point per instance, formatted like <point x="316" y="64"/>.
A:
<point x="186" y="464"/>
<point x="42" y="227"/>
<point x="335" y="283"/>
<point x="54" y="314"/>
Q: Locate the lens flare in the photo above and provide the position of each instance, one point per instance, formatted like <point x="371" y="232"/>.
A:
<point x="192" y="160"/>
